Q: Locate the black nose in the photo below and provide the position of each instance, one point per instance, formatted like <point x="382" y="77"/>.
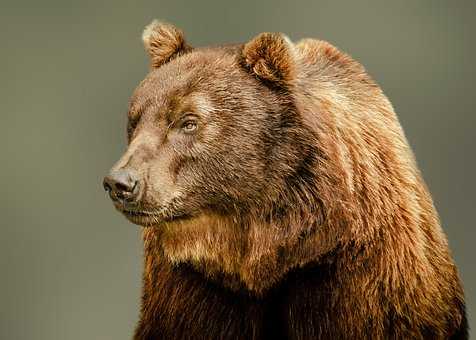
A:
<point x="122" y="185"/>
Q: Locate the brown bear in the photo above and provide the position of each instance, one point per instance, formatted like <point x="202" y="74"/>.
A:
<point x="279" y="199"/>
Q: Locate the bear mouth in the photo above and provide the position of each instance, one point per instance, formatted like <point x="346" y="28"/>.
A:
<point x="148" y="219"/>
<point x="143" y="218"/>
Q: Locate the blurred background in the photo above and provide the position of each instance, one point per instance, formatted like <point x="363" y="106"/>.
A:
<point x="70" y="264"/>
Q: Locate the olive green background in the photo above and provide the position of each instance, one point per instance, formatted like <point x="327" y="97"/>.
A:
<point x="70" y="264"/>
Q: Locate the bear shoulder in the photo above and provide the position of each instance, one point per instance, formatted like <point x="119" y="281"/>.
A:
<point x="319" y="58"/>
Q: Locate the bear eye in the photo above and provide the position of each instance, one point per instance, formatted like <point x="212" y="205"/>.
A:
<point x="189" y="126"/>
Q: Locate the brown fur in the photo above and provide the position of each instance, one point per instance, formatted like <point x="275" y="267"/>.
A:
<point x="296" y="210"/>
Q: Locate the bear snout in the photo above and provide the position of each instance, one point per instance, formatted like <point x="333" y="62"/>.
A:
<point x="123" y="186"/>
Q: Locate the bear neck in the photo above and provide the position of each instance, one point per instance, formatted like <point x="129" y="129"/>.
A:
<point x="251" y="252"/>
<point x="303" y="219"/>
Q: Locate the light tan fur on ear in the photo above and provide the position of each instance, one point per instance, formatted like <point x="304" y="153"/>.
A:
<point x="163" y="42"/>
<point x="271" y="57"/>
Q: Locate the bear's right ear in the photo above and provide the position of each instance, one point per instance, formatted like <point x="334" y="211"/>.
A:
<point x="270" y="56"/>
<point x="163" y="42"/>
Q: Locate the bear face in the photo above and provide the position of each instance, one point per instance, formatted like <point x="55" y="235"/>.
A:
<point x="196" y="138"/>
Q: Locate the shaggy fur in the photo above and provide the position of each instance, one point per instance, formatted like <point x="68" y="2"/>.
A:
<point x="294" y="211"/>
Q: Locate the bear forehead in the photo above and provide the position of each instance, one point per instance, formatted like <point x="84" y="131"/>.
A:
<point x="197" y="76"/>
<point x="198" y="67"/>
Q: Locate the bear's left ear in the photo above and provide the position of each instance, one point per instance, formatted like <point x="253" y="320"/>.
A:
<point x="270" y="56"/>
<point x="163" y="42"/>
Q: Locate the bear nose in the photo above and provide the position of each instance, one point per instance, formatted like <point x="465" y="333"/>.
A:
<point x="122" y="185"/>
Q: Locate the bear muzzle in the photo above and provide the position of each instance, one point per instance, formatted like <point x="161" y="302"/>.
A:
<point x="123" y="186"/>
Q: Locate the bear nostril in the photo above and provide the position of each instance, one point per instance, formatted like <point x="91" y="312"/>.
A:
<point x="106" y="186"/>
<point x="124" y="188"/>
<point x="122" y="185"/>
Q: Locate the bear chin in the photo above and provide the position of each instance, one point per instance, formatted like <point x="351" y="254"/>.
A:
<point x="153" y="218"/>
